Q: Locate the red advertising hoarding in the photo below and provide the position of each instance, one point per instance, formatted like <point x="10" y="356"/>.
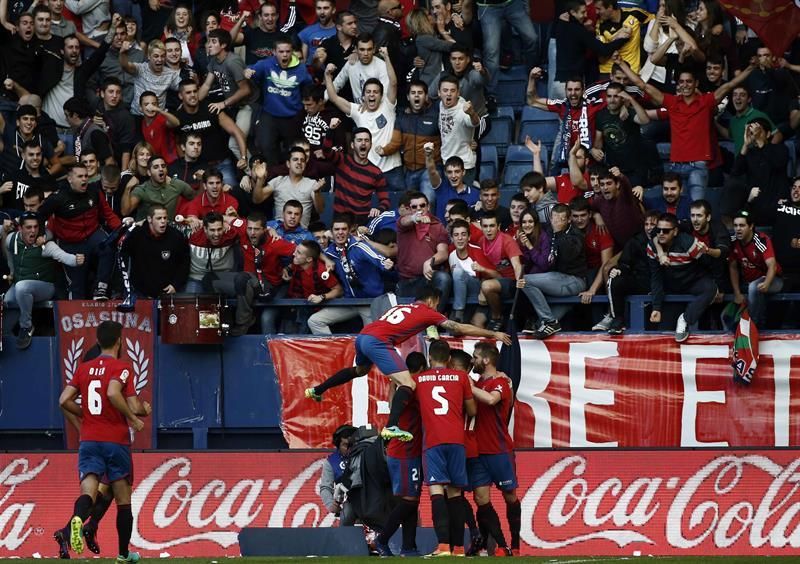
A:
<point x="582" y="391"/>
<point x="720" y="502"/>
<point x="77" y="322"/>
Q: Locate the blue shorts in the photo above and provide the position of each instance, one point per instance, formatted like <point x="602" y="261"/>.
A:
<point x="446" y="464"/>
<point x="111" y="460"/>
<point x="406" y="474"/>
<point x="370" y="350"/>
<point x="497" y="469"/>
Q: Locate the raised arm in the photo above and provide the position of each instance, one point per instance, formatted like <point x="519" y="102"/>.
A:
<point x="236" y="31"/>
<point x="430" y="166"/>
<point x="337" y="100"/>
<point x="533" y="98"/>
<point x="641" y="116"/>
<point x="726" y="88"/>
<point x="473" y="331"/>
<point x="126" y="65"/>
<point x="391" y="92"/>
<point x="636" y="80"/>
<point x="575" y="173"/>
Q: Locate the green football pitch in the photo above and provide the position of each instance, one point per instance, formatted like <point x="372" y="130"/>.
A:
<point x="541" y="560"/>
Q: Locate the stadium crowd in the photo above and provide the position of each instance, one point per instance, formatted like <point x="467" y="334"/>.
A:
<point x="314" y="152"/>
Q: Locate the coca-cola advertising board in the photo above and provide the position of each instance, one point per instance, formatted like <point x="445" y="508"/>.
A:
<point x="708" y="502"/>
<point x="77" y="321"/>
<point x="582" y="391"/>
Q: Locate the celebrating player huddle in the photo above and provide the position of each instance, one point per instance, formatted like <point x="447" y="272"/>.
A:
<point x="453" y="433"/>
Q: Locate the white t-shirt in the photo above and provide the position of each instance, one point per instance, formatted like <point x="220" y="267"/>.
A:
<point x="146" y="79"/>
<point x="358" y="74"/>
<point x="286" y="190"/>
<point x="457" y="131"/>
<point x="381" y="124"/>
<point x="463" y="264"/>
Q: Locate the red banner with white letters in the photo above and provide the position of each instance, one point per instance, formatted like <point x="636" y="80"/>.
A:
<point x="582" y="391"/>
<point x="76" y="323"/>
<point x="616" y="503"/>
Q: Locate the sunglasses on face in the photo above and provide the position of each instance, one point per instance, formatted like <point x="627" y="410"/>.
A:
<point x="663" y="229"/>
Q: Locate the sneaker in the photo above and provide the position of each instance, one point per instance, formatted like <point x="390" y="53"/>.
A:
<point x="681" y="330"/>
<point x="101" y="292"/>
<point x="457" y="315"/>
<point x="132" y="557"/>
<point x="409" y="553"/>
<point x="495" y="325"/>
<point x="506" y="60"/>
<point x="439" y="553"/>
<point x="477" y="543"/>
<point x="395" y="432"/>
<point x="90" y="538"/>
<point x="530" y="327"/>
<point x="383" y="550"/>
<point x="24" y="337"/>
<point x="128" y="302"/>
<point x="548" y="329"/>
<point x="604" y="324"/>
<point x="76" y="534"/>
<point x="616" y="327"/>
<point x="63" y="544"/>
<point x="457" y="551"/>
<point x="312" y="394"/>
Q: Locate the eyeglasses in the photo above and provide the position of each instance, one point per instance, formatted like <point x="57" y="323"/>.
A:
<point x="418" y="206"/>
<point x="664" y="229"/>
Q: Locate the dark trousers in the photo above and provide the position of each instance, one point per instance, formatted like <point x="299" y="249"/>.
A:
<point x="95" y="250"/>
<point x="271" y="131"/>
<point x="621" y="286"/>
<point x="703" y="289"/>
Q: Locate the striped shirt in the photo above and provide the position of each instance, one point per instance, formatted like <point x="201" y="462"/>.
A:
<point x="354" y="185"/>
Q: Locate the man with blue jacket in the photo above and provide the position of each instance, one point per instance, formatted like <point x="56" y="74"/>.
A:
<point x="360" y="270"/>
<point x="282" y="78"/>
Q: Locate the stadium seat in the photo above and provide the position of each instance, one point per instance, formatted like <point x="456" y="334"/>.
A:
<point x="521" y="154"/>
<point x="502" y="130"/>
<point x="518" y="163"/>
<point x="538" y="125"/>
<point x="506" y="193"/>
<point x="511" y="88"/>
<point x="489" y="166"/>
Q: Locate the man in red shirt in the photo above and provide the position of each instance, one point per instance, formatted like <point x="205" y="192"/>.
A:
<point x="76" y="217"/>
<point x="495" y="463"/>
<point x="753" y="252"/>
<point x="469" y="267"/>
<point x="157" y="126"/>
<point x="444" y="396"/>
<point x="598" y="244"/>
<point x="111" y="405"/>
<point x="310" y="280"/>
<point x="376" y="345"/>
<point x="261" y="273"/>
<point x="502" y="251"/>
<point x="421" y="247"/>
<point x="572" y="184"/>
<point x="404" y="460"/>
<point x="693" y="136"/>
<point x="212" y="199"/>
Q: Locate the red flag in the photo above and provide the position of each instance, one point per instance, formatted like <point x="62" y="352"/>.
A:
<point x="776" y="22"/>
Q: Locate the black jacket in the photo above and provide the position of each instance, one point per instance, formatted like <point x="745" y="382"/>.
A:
<point x="157" y="262"/>
<point x="572" y="42"/>
<point x="633" y="260"/>
<point x="52" y="67"/>
<point x="569" y="252"/>
<point x="765" y="168"/>
<point x="786" y="227"/>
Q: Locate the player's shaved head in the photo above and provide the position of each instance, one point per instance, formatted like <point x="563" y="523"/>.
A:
<point x="439" y="351"/>
<point x="108" y="333"/>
